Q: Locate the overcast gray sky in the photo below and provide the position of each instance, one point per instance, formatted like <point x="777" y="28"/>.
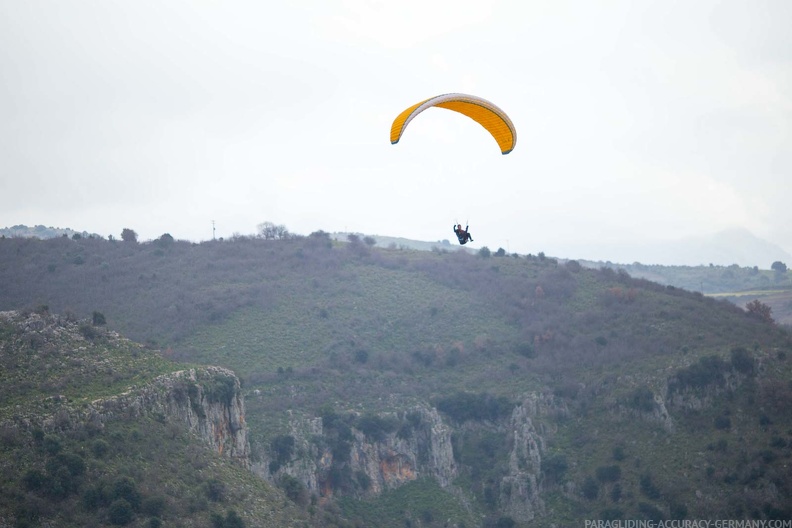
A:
<point x="636" y="120"/>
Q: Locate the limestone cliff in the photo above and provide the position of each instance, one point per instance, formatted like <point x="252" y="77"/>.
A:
<point x="528" y="428"/>
<point x="423" y="449"/>
<point x="207" y="401"/>
<point x="364" y="464"/>
<point x="46" y="353"/>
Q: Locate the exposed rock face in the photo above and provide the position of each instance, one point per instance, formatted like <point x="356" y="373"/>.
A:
<point x="393" y="459"/>
<point x="521" y="488"/>
<point x="188" y="397"/>
<point x="656" y="412"/>
<point x="396" y="460"/>
<point x="207" y="401"/>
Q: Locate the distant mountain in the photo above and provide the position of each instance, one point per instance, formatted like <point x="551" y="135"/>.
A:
<point x="732" y="246"/>
<point x="43" y="232"/>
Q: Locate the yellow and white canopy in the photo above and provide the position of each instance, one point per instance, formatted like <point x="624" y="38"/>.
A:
<point x="492" y="118"/>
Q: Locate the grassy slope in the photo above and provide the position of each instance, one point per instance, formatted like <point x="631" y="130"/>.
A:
<point x="434" y="323"/>
<point x="171" y="472"/>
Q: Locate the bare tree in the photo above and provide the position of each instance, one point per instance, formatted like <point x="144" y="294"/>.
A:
<point x="271" y="231"/>
<point x="760" y="310"/>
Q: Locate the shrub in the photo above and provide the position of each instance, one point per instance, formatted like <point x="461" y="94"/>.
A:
<point x="294" y="489"/>
<point x="98" y="319"/>
<point x="376" y="427"/>
<point x="642" y="399"/>
<point x="464" y="406"/>
<point x="555" y="466"/>
<point x="88" y="332"/>
<point x="72" y="462"/>
<point x="125" y="488"/>
<point x="742" y="361"/>
<point x="526" y="350"/>
<point x="33" y="479"/>
<point x="282" y="449"/>
<point x="100" y="448"/>
<point x="505" y="522"/>
<point x="608" y="473"/>
<point x="215" y="490"/>
<point x="590" y="488"/>
<point x="616" y="492"/>
<point x="52" y="444"/>
<point x="709" y="370"/>
<point x="93" y="498"/>
<point x="361" y="356"/>
<point x="648" y="488"/>
<point x="221" y="389"/>
<point x="120" y="512"/>
<point x="231" y="520"/>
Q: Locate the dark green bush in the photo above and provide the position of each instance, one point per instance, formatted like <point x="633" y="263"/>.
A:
<point x="742" y="361"/>
<point x="375" y="427"/>
<point x="215" y="490"/>
<point x="642" y="399"/>
<point x="709" y="370"/>
<point x="608" y="473"/>
<point x="464" y="406"/>
<point x="33" y="479"/>
<point x="555" y="466"/>
<point x="126" y="488"/>
<point x="590" y="488"/>
<point x="648" y="488"/>
<point x="120" y="512"/>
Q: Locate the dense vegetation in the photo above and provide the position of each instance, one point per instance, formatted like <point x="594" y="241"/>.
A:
<point x="59" y="470"/>
<point x="346" y="331"/>
<point x="740" y="285"/>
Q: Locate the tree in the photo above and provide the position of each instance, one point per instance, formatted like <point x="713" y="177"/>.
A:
<point x="120" y="512"/>
<point x="270" y="231"/>
<point x="128" y="235"/>
<point x="98" y="319"/>
<point x="165" y="240"/>
<point x="760" y="310"/>
<point x="779" y="267"/>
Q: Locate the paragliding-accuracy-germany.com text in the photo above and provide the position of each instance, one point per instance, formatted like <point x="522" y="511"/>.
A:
<point x="688" y="523"/>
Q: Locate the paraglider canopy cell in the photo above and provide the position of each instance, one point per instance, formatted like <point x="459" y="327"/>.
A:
<point x="485" y="113"/>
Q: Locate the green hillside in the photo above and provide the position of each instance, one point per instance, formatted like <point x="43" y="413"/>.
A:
<point x="64" y="466"/>
<point x="663" y="403"/>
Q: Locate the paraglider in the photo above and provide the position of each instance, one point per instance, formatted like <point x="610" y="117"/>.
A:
<point x="463" y="235"/>
<point x="485" y="113"/>
<point x="488" y="115"/>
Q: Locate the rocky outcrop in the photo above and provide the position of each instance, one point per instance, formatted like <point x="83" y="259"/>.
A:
<point x="207" y="401"/>
<point x="520" y="489"/>
<point x="420" y="447"/>
<point x="424" y="449"/>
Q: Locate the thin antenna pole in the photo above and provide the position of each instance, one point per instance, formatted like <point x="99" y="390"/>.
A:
<point x="213" y="229"/>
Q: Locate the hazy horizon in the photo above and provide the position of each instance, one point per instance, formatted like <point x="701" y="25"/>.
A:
<point x="637" y="122"/>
